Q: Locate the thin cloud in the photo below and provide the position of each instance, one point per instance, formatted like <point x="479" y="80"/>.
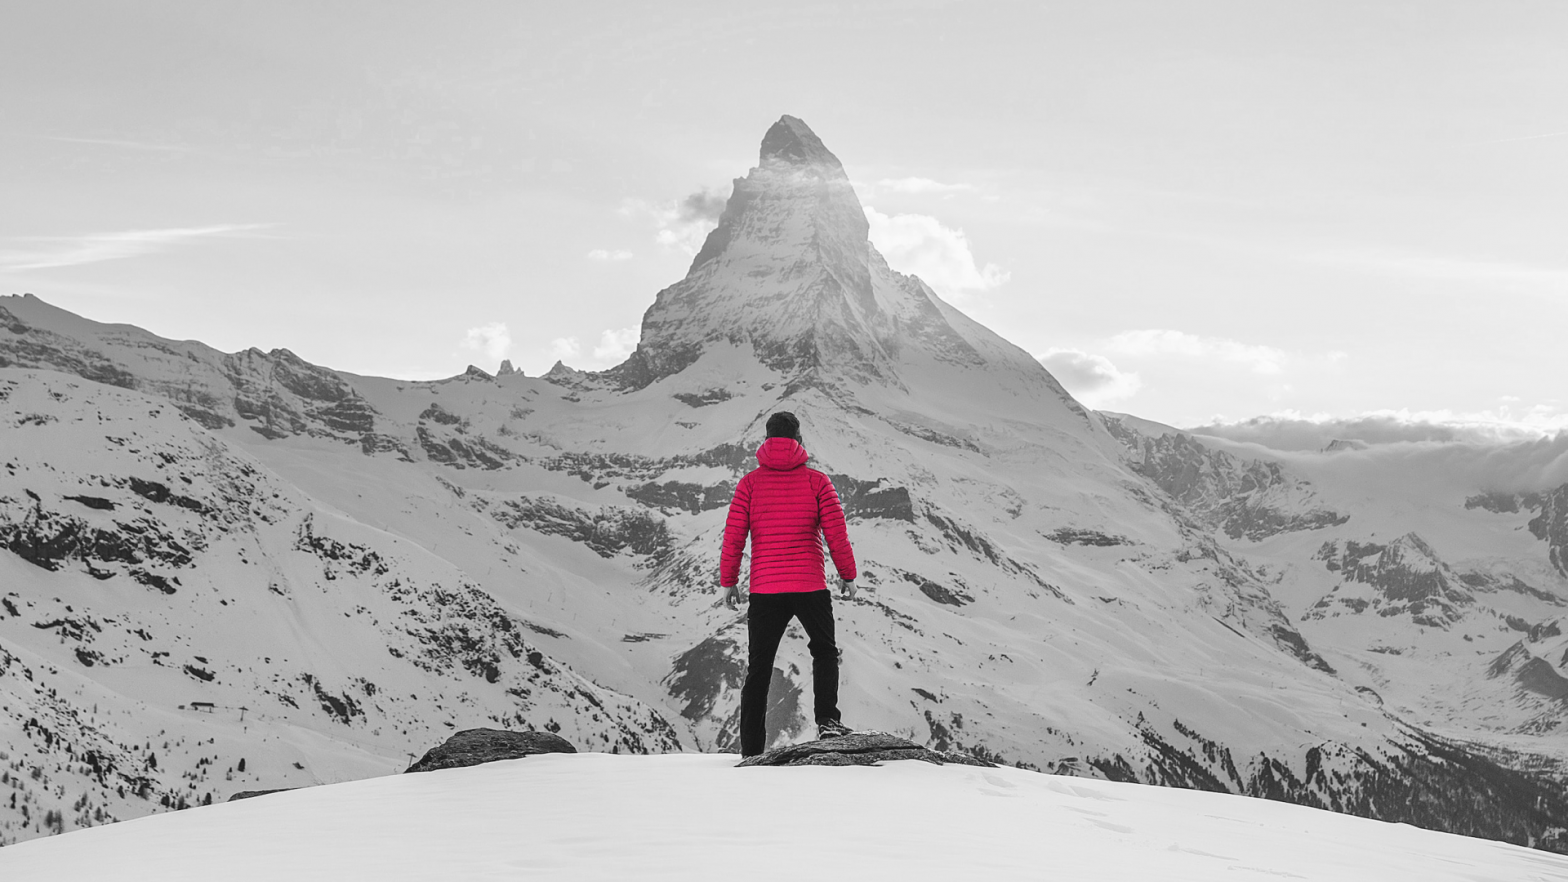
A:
<point x="1514" y="140"/>
<point x="124" y="145"/>
<point x="921" y="245"/>
<point x="1153" y="342"/>
<point x="50" y="252"/>
<point x="1510" y="274"/>
<point x="604" y="255"/>
<point x="922" y="186"/>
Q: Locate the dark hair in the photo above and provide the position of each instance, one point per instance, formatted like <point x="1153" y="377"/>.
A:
<point x="784" y="425"/>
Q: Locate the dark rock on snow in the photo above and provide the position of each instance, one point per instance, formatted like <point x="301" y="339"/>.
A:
<point x="247" y="794"/>
<point x="471" y="747"/>
<point x="857" y="749"/>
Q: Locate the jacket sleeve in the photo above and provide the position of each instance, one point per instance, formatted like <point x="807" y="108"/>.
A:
<point x="830" y="513"/>
<point x="736" y="529"/>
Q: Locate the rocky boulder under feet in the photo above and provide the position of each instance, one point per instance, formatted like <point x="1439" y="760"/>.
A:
<point x="857" y="749"/>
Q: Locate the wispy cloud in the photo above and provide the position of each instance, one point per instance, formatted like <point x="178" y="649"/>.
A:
<point x="1505" y="273"/>
<point x="124" y="145"/>
<point x="604" y="255"/>
<point x="922" y="186"/>
<point x="50" y="252"/>
<point x="1513" y="140"/>
<point x="684" y="224"/>
<point x="921" y="245"/>
<point x="1155" y="341"/>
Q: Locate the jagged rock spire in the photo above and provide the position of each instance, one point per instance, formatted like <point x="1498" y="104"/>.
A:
<point x="791" y="141"/>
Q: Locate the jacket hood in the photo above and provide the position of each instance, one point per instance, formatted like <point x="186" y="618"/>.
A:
<point x="781" y="453"/>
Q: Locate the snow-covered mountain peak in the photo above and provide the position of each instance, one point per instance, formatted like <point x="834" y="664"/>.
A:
<point x="789" y="273"/>
<point x="790" y="282"/>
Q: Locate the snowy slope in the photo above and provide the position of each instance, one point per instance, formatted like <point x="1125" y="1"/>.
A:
<point x="177" y="623"/>
<point x="1041" y="586"/>
<point x="597" y="816"/>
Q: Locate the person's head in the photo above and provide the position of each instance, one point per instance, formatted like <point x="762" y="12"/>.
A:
<point x="784" y="425"/>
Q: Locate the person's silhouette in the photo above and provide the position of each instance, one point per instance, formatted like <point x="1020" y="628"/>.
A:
<point x="787" y="510"/>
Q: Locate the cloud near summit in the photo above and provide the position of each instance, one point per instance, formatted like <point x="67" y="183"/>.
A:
<point x="921" y="245"/>
<point x="703" y="205"/>
<point x="683" y="224"/>
<point x="1092" y="379"/>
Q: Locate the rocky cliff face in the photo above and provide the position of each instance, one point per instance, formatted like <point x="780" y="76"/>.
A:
<point x="1245" y="499"/>
<point x="1536" y="667"/>
<point x="1402" y="578"/>
<point x="274" y="394"/>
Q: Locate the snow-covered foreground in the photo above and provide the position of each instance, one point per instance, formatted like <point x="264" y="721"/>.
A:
<point x="695" y="816"/>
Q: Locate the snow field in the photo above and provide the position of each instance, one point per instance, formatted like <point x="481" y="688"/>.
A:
<point x="694" y="816"/>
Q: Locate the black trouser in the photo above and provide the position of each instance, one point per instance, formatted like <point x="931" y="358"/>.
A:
<point x="767" y="616"/>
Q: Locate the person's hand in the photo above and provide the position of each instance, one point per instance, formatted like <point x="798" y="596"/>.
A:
<point x="849" y="589"/>
<point x="731" y="596"/>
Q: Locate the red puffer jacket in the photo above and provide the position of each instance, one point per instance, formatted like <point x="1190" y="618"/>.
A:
<point x="787" y="508"/>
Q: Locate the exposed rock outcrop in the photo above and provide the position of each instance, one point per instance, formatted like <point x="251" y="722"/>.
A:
<point x="1405" y="577"/>
<point x="471" y="747"/>
<point x="1252" y="499"/>
<point x="247" y="794"/>
<point x="858" y="749"/>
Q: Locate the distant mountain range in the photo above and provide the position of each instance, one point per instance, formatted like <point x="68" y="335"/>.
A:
<point x="228" y="571"/>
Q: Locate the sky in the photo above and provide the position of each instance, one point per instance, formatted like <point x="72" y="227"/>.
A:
<point x="1199" y="213"/>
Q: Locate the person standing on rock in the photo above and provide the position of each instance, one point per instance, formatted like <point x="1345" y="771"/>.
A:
<point x="787" y="510"/>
